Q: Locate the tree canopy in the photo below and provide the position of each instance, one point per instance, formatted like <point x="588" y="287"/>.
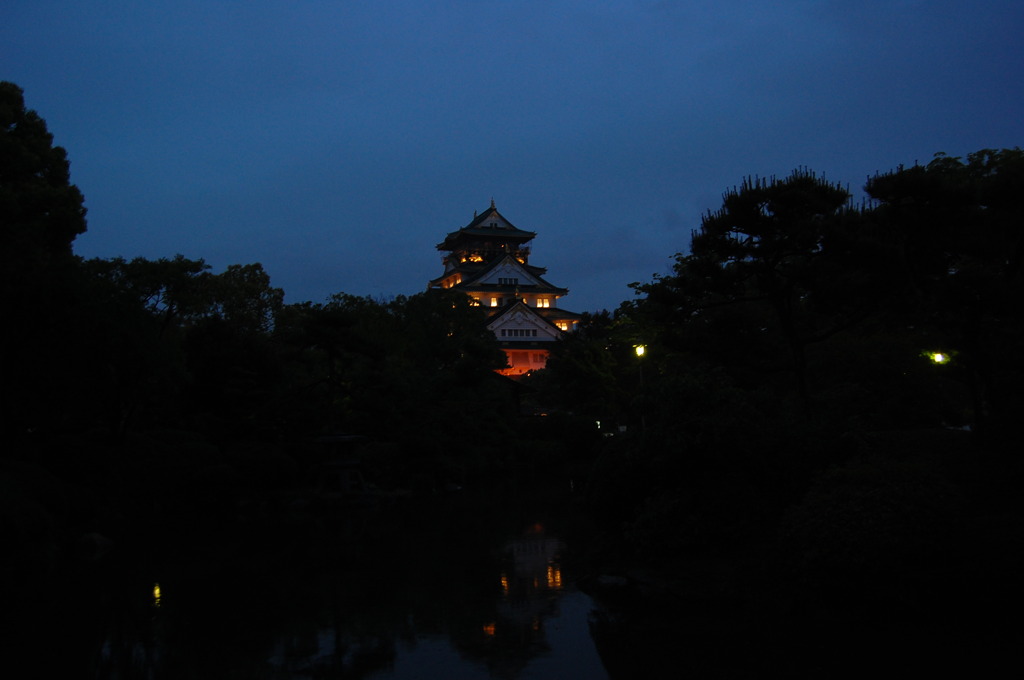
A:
<point x="41" y="212"/>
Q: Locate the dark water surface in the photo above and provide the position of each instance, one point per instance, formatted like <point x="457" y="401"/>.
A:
<point x="448" y="588"/>
<point x="454" y="587"/>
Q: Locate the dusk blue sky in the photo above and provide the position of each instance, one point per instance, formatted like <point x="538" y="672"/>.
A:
<point x="337" y="142"/>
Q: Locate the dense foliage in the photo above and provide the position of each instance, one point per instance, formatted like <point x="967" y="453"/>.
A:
<point x="787" y="418"/>
<point x="159" y="392"/>
<point x="826" y="404"/>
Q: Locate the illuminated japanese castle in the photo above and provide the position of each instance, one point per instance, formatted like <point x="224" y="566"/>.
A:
<point x="488" y="259"/>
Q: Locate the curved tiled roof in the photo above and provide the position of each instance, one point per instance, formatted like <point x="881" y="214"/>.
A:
<point x="473" y="271"/>
<point x="508" y="309"/>
<point x="477" y="228"/>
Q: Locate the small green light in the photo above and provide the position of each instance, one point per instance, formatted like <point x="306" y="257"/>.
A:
<point x="939" y="358"/>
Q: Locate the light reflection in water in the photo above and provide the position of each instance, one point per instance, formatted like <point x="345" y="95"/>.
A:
<point x="554" y="577"/>
<point x="534" y="626"/>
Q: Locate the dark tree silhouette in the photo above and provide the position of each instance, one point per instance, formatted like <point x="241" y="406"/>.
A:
<point x="764" y="248"/>
<point x="955" y="226"/>
<point x="41" y="213"/>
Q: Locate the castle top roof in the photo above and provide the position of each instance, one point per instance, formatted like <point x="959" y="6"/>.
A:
<point x="489" y="224"/>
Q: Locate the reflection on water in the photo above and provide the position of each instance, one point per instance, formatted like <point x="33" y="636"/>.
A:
<point x="531" y="590"/>
<point x="570" y="653"/>
<point x="413" y="596"/>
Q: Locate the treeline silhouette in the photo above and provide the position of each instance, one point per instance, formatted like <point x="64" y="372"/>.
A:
<point x="823" y="425"/>
<point x="825" y="416"/>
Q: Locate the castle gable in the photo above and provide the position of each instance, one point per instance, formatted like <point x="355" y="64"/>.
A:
<point x="491" y="219"/>
<point x="520" y="323"/>
<point x="509" y="272"/>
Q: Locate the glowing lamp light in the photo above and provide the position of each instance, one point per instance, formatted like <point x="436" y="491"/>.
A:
<point x="640" y="350"/>
<point x="939" y="358"/>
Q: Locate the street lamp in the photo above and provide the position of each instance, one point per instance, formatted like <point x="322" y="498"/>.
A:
<point x="938" y="357"/>
<point x="640" y="351"/>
